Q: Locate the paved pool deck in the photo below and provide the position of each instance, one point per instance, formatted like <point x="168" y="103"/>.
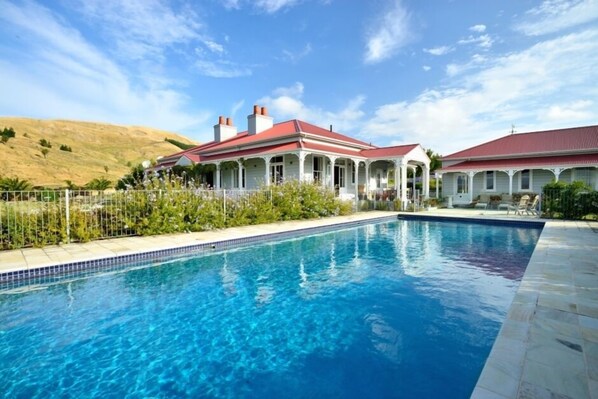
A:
<point x="547" y="346"/>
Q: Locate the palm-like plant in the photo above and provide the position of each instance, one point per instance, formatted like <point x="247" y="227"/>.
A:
<point x="99" y="184"/>
<point x="14" y="184"/>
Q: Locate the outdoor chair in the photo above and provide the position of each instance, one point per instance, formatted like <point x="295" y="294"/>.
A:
<point x="520" y="207"/>
<point x="531" y="207"/>
<point x="483" y="201"/>
<point x="506" y="201"/>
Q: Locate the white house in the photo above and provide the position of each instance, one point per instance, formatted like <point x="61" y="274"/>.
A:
<point x="269" y="153"/>
<point x="521" y="163"/>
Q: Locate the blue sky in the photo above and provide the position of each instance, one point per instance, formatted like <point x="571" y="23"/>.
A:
<point x="446" y="74"/>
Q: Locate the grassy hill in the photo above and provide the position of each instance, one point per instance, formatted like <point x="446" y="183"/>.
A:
<point x="96" y="147"/>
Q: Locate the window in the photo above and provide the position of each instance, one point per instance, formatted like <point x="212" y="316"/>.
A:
<point x="525" y="180"/>
<point x="339" y="176"/>
<point x="490" y="180"/>
<point x="462" y="183"/>
<point x="243" y="178"/>
<point x="276" y="169"/>
<point x="583" y="175"/>
<point x="318" y="168"/>
<point x="235" y="176"/>
<point x="353" y="172"/>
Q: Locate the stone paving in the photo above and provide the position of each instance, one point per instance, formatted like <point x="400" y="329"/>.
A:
<point x="547" y="346"/>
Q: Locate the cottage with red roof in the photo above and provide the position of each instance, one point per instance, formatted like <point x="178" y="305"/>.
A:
<point x="521" y="163"/>
<point x="269" y="153"/>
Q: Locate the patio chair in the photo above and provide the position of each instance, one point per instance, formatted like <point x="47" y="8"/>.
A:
<point x="483" y="201"/>
<point x="531" y="207"/>
<point x="520" y="207"/>
<point x="506" y="201"/>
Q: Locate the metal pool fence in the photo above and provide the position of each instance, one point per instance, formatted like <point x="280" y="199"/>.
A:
<point x="567" y="203"/>
<point x="37" y="218"/>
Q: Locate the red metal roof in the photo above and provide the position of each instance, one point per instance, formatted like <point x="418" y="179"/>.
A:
<point x="288" y="136"/>
<point x="580" y="160"/>
<point x="318" y="131"/>
<point x="253" y="151"/>
<point x="283" y="129"/>
<point x="549" y="142"/>
<point x="398" y="150"/>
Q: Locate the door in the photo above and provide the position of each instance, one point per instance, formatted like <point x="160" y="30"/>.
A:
<point x="340" y="181"/>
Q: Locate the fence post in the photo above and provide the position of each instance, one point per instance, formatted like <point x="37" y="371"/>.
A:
<point x="224" y="203"/>
<point x="68" y="215"/>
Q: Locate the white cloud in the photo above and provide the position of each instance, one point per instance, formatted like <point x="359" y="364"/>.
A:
<point x="507" y="89"/>
<point x="441" y="50"/>
<point x="221" y="69"/>
<point x="476" y="61"/>
<point x="576" y="111"/>
<point x="556" y="15"/>
<point x="142" y="28"/>
<point x="272" y="6"/>
<point x="236" y="107"/>
<point x="478" y="28"/>
<point x="484" y="41"/>
<point x="231" y="4"/>
<point x="59" y="74"/>
<point x="388" y="34"/>
<point x="294" y="57"/>
<point x="426" y="68"/>
<point x="287" y="103"/>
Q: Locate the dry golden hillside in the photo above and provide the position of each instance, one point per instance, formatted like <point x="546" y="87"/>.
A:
<point x="95" y="148"/>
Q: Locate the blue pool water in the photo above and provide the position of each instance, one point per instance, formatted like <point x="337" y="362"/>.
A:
<point x="401" y="309"/>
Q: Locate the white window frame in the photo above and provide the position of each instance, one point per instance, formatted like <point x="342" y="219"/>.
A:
<point x="277" y="163"/>
<point x="531" y="181"/>
<point x="493" y="189"/>
<point x="466" y="184"/>
<point x="342" y="176"/>
<point x="318" y="174"/>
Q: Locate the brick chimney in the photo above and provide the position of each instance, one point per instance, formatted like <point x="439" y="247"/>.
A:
<point x="224" y="130"/>
<point x="259" y="120"/>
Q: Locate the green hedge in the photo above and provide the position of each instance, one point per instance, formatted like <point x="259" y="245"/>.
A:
<point x="575" y="201"/>
<point x="164" y="207"/>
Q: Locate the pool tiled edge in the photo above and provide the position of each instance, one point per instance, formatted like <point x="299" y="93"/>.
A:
<point x="104" y="262"/>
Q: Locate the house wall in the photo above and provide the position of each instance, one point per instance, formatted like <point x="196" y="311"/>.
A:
<point x="254" y="175"/>
<point x="539" y="178"/>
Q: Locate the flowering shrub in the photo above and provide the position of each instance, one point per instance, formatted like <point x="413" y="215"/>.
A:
<point x="164" y="204"/>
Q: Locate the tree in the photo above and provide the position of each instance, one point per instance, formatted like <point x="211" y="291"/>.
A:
<point x="71" y="186"/>
<point x="99" y="184"/>
<point x="45" y="152"/>
<point x="133" y="180"/>
<point x="5" y="134"/>
<point x="435" y="162"/>
<point x="14" y="184"/>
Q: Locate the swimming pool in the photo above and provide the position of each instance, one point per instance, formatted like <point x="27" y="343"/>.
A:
<point x="396" y="309"/>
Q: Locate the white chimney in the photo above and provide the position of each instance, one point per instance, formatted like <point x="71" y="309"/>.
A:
<point x="259" y="120"/>
<point x="224" y="130"/>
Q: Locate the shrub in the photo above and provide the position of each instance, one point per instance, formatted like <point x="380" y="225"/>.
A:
<point x="569" y="201"/>
<point x="167" y="204"/>
<point x="6" y="134"/>
<point x="64" y="147"/>
<point x="45" y="143"/>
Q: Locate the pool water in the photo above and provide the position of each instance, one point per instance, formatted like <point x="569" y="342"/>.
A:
<point x="401" y="309"/>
